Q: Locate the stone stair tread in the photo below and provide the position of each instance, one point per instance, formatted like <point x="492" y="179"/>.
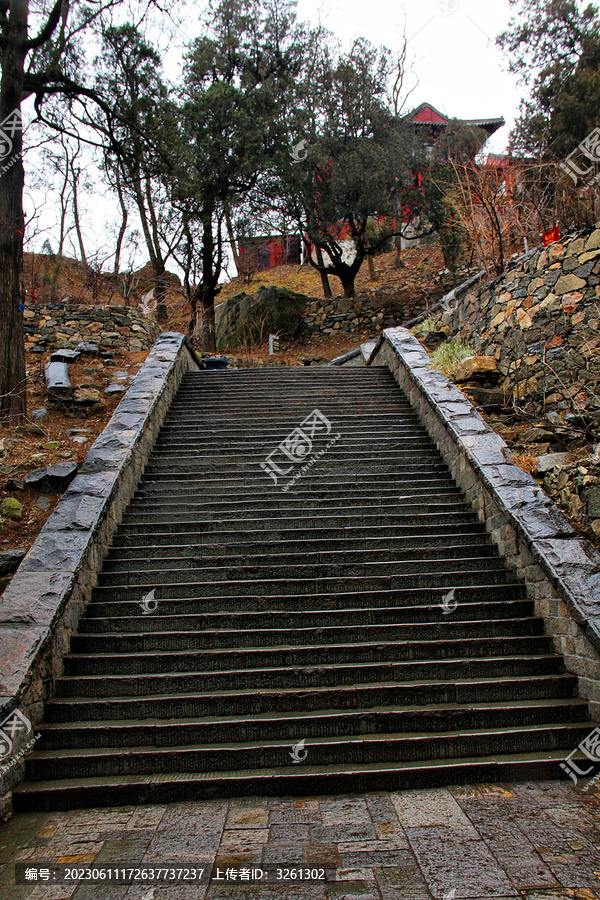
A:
<point x="299" y="715"/>
<point x="502" y="760"/>
<point x="300" y="690"/>
<point x="484" y="733"/>
<point x="449" y="623"/>
<point x="276" y="648"/>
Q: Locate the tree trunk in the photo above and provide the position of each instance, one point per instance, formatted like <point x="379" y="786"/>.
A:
<point x="124" y="218"/>
<point x="13" y="403"/>
<point x="160" y="291"/>
<point x="231" y="236"/>
<point x="324" y="279"/>
<point x="209" y="340"/>
<point x="75" y="177"/>
<point x="208" y="288"/>
<point x="156" y="260"/>
<point x="346" y="276"/>
<point x="371" y="262"/>
<point x="398" y="261"/>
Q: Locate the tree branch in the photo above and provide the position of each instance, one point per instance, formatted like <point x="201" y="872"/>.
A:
<point x="48" y="30"/>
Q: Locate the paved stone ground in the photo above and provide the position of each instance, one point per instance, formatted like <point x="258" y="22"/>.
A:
<point x="534" y="841"/>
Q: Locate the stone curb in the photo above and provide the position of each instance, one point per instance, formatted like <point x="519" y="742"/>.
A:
<point x="536" y="527"/>
<point x="41" y="607"/>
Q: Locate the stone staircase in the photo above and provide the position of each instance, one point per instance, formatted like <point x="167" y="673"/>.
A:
<point x="361" y="616"/>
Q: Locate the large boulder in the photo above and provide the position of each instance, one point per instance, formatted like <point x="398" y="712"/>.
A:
<point x="252" y="318"/>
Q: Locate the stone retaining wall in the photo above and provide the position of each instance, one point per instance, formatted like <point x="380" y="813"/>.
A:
<point x="541" y="321"/>
<point x="560" y="569"/>
<point x="63" y="325"/>
<point x="41" y="606"/>
<point x="368" y="311"/>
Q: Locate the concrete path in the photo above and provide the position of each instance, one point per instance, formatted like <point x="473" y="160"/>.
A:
<point x="534" y="841"/>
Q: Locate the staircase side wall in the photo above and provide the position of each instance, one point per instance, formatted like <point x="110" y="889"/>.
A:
<point x="560" y="568"/>
<point x="41" y="607"/>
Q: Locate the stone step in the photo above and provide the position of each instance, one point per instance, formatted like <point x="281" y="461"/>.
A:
<point x="463" y="685"/>
<point x="48" y="765"/>
<point x="313" y="724"/>
<point x="355" y="534"/>
<point x="169" y="589"/>
<point x="294" y="780"/>
<point x="180" y="616"/>
<point x="324" y="549"/>
<point x="446" y="497"/>
<point x="197" y="570"/>
<point x="104" y="603"/>
<point x="194" y="556"/>
<point x="411" y="449"/>
<point x="310" y="670"/>
<point x="254" y="478"/>
<point x="411" y="521"/>
<point x="331" y="465"/>
<point x="258" y="656"/>
<point x="181" y="640"/>
<point x="304" y="489"/>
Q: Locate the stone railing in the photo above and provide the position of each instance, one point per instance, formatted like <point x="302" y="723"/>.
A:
<point x="41" y="606"/>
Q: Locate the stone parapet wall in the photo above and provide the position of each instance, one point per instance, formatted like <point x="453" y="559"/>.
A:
<point x="560" y="569"/>
<point x="41" y="607"/>
<point x="62" y="325"/>
<point x="541" y="321"/>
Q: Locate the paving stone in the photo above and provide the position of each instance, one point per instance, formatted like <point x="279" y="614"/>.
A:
<point x="402" y="882"/>
<point x="423" y="808"/>
<point x="457" y="859"/>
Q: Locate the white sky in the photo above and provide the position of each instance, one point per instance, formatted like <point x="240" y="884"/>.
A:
<point x="456" y="67"/>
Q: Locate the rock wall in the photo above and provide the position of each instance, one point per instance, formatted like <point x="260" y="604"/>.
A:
<point x="63" y="325"/>
<point x="368" y="311"/>
<point x="541" y="321"/>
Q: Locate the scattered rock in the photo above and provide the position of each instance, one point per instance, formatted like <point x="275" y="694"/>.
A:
<point x="58" y="382"/>
<point x="433" y="339"/>
<point x="29" y="429"/>
<point x="51" y="479"/>
<point x="487" y="396"/>
<point x="10" y="560"/>
<point x="39" y="414"/>
<point x="13" y="484"/>
<point x="593" y="502"/>
<point x="10" y="508"/>
<point x="115" y="389"/>
<point x="51" y="445"/>
<point x="479" y="368"/>
<point x="64" y="355"/>
<point x="535" y="435"/>
<point x="84" y="396"/>
<point x="88" y="347"/>
<point x="551" y="461"/>
<point x="43" y="502"/>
